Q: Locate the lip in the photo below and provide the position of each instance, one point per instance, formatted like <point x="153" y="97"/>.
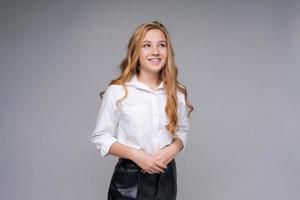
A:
<point x="154" y="61"/>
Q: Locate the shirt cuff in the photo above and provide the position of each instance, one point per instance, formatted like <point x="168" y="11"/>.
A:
<point x="106" y="146"/>
<point x="182" y="137"/>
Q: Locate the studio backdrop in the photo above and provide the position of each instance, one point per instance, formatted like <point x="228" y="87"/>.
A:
<point x="238" y="59"/>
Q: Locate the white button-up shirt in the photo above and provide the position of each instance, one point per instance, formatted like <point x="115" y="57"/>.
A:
<point x="139" y="120"/>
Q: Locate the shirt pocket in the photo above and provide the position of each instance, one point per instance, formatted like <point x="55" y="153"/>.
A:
<point x="136" y="120"/>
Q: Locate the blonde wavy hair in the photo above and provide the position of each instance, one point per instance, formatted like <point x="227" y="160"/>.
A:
<point x="130" y="65"/>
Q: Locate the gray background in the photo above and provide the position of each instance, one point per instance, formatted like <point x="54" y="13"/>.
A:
<point x="238" y="59"/>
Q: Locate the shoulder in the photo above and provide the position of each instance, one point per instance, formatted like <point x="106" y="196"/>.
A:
<point x="181" y="97"/>
<point x="115" y="91"/>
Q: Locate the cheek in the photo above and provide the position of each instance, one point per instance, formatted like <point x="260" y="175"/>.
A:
<point x="143" y="54"/>
<point x="165" y="53"/>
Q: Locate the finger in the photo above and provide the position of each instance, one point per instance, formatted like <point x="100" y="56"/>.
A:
<point x="161" y="164"/>
<point x="155" y="169"/>
<point x="150" y="172"/>
<point x="158" y="169"/>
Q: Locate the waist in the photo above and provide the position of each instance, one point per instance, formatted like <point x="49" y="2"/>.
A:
<point x="145" y="141"/>
<point x="129" y="164"/>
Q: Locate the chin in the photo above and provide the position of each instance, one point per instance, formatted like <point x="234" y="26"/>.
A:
<point x="156" y="69"/>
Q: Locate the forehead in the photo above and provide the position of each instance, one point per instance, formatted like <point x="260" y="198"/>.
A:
<point x="154" y="35"/>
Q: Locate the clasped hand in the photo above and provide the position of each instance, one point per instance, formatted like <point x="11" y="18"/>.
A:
<point x="156" y="162"/>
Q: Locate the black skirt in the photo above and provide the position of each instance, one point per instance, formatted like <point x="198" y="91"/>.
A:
<point x="129" y="183"/>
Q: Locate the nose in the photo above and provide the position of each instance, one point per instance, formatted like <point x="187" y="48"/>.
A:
<point x="155" y="51"/>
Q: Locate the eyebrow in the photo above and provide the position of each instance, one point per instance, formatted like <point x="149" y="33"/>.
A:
<point x="161" y="41"/>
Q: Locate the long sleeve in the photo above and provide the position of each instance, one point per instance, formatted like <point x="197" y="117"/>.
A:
<point x="103" y="135"/>
<point x="183" y="124"/>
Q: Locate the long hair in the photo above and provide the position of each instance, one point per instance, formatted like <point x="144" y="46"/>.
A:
<point x="130" y="65"/>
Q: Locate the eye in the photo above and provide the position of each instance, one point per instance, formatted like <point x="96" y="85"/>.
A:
<point x="146" y="45"/>
<point x="162" y="45"/>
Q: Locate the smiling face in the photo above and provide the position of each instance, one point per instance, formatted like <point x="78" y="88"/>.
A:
<point x="153" y="54"/>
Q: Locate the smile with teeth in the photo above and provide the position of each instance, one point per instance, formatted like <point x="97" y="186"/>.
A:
<point x="154" y="60"/>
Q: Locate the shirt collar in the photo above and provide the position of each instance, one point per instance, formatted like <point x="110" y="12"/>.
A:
<point x="137" y="84"/>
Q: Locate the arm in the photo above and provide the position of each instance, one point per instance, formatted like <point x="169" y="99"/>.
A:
<point x="147" y="162"/>
<point x="103" y="135"/>
<point x="169" y="152"/>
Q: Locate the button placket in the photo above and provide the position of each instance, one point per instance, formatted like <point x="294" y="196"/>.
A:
<point x="155" y="115"/>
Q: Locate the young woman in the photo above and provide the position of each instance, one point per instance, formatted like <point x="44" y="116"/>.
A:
<point x="143" y="118"/>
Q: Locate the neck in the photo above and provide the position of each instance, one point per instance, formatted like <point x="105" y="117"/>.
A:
<point x="151" y="80"/>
